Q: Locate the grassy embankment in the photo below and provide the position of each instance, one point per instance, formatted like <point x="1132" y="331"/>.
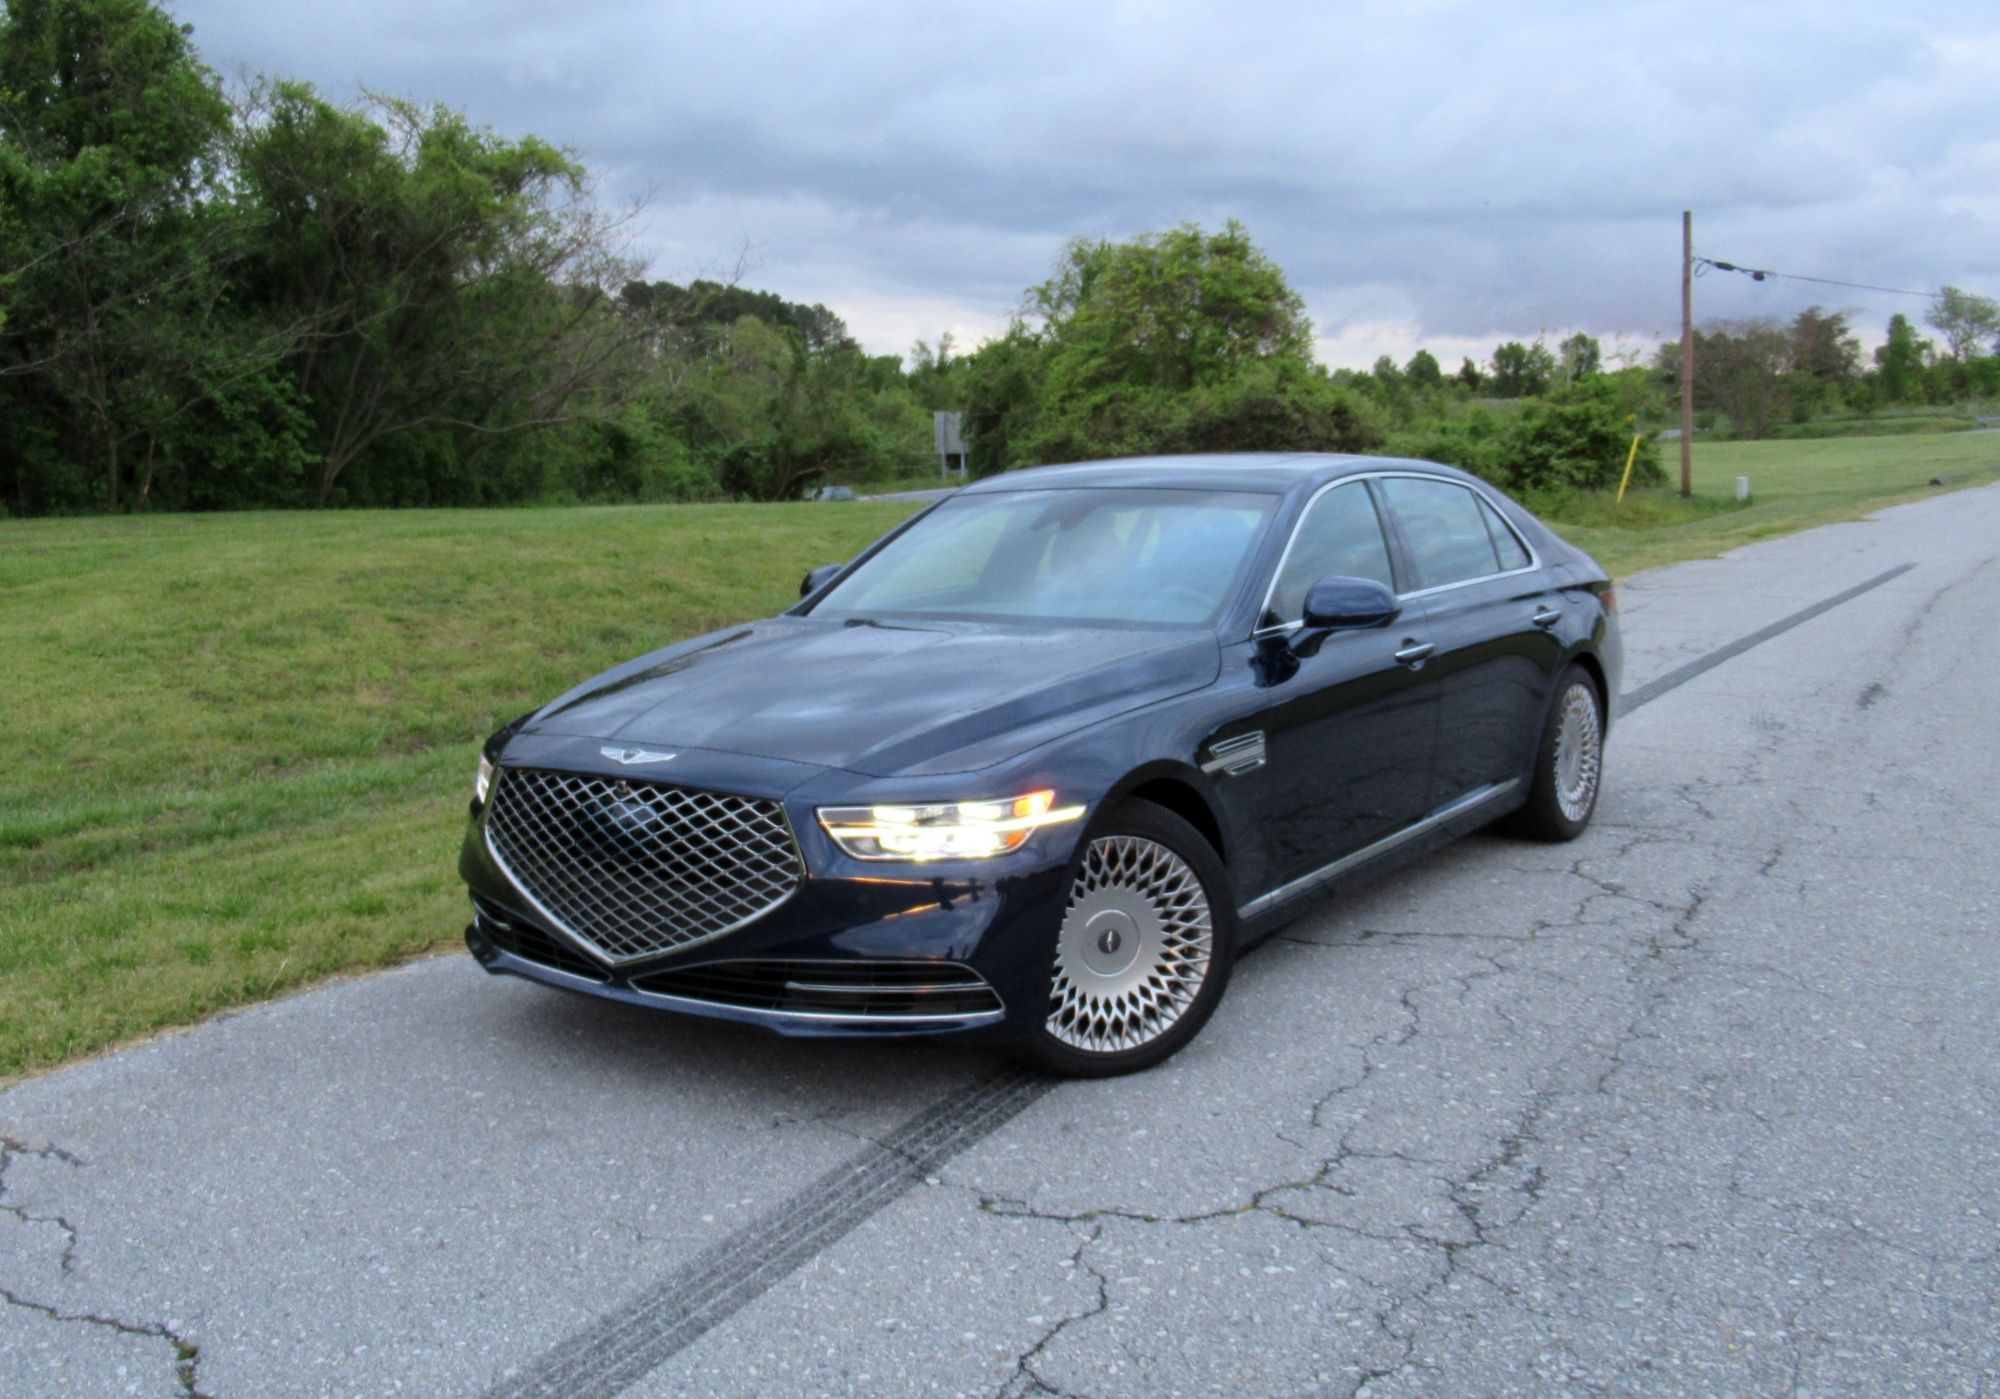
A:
<point x="239" y="747"/>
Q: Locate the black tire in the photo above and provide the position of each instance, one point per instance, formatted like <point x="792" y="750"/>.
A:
<point x="1563" y="796"/>
<point x="1136" y="855"/>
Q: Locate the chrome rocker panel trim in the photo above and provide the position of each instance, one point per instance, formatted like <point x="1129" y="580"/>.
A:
<point x="1450" y="811"/>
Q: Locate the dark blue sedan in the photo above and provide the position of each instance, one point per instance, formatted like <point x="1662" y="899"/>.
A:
<point x="1040" y="762"/>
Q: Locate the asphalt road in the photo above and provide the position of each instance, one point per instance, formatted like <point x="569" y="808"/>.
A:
<point x="1707" y="1102"/>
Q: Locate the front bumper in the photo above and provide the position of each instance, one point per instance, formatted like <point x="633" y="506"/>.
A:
<point x="860" y="950"/>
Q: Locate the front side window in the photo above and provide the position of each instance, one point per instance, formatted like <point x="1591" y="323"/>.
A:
<point x="1087" y="556"/>
<point x="1340" y="535"/>
<point x="1447" y="536"/>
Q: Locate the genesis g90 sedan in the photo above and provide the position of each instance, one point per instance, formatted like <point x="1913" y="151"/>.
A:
<point x="1039" y="763"/>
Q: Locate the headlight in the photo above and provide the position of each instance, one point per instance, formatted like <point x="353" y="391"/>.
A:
<point x="945" y="830"/>
<point x="483" y="783"/>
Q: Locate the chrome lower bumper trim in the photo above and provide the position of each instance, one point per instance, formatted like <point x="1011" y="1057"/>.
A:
<point x="530" y="970"/>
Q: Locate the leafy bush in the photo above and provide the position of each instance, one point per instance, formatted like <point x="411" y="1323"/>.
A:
<point x="1576" y="438"/>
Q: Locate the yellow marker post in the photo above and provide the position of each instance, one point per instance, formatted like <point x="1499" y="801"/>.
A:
<point x="1630" y="457"/>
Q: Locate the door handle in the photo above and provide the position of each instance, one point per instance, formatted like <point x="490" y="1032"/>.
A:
<point x="1548" y="617"/>
<point x="1415" y="653"/>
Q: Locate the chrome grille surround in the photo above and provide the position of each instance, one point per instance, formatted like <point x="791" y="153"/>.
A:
<point x="631" y="870"/>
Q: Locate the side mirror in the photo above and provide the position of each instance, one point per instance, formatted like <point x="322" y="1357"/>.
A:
<point x="1348" y="604"/>
<point x="1342" y="604"/>
<point x="819" y="578"/>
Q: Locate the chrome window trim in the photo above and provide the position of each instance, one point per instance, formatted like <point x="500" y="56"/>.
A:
<point x="1285" y="628"/>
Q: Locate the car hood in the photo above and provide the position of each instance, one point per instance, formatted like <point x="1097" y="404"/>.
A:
<point x="882" y="698"/>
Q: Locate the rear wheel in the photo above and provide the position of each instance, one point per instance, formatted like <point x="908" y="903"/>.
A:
<point x="1144" y="949"/>
<point x="1569" y="762"/>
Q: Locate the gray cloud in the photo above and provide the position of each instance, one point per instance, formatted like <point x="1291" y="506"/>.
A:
<point x="1427" y="172"/>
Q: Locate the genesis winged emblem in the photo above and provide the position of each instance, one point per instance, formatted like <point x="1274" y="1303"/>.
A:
<point x="631" y="756"/>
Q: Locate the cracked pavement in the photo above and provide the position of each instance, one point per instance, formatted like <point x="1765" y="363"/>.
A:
<point x="1707" y="1101"/>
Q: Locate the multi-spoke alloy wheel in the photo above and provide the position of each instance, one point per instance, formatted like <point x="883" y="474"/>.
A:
<point x="1143" y="949"/>
<point x="1579" y="751"/>
<point x="1569" y="762"/>
<point x="1134" y="946"/>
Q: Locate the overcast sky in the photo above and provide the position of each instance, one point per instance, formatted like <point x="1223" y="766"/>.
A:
<point x="1427" y="172"/>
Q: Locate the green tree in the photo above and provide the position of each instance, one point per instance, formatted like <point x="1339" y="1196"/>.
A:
<point x="1153" y="344"/>
<point x="1168" y="310"/>
<point x="456" y="283"/>
<point x="1003" y="389"/>
<point x="1966" y="321"/>
<point x="1823" y="359"/>
<point x="1580" y="356"/>
<point x="1823" y="348"/>
<point x="1742" y="369"/>
<point x="710" y="303"/>
<point x="1521" y="371"/>
<point x="1470" y="376"/>
<point x="938" y="376"/>
<point x="774" y="416"/>
<point x="1423" y="372"/>
<point x="1899" y="362"/>
<point x="111" y="136"/>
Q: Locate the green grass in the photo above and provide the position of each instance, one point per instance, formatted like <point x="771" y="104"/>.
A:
<point x="239" y="747"/>
<point x="1885" y="425"/>
<point x="1794" y="485"/>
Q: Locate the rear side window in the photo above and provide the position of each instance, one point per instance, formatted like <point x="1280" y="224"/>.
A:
<point x="1340" y="535"/>
<point x="1513" y="553"/>
<point x="1445" y="529"/>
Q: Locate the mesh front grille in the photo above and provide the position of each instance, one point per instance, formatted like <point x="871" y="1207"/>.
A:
<point x="638" y="868"/>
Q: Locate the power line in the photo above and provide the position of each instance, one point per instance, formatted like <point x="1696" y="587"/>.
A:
<point x="1759" y="274"/>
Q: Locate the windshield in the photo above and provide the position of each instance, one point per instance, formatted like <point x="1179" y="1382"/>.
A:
<point x="1139" y="557"/>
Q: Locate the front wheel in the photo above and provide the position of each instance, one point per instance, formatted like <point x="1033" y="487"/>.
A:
<point x="1569" y="762"/>
<point x="1144" y="949"/>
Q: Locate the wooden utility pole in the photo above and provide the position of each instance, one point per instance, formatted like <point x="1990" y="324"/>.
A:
<point x="1687" y="353"/>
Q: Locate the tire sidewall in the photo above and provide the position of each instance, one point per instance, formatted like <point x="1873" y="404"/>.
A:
<point x="1147" y="821"/>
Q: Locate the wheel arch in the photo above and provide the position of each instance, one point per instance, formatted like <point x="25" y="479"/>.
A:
<point x="1183" y="791"/>
<point x="1587" y="661"/>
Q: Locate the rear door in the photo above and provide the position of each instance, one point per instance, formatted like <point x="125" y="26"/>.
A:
<point x="1493" y="615"/>
<point x="1349" y="735"/>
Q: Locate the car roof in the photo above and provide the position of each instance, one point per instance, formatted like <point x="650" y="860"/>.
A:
<point x="1275" y="472"/>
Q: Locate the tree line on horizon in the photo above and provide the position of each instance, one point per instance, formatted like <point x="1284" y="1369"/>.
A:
<point x="223" y="299"/>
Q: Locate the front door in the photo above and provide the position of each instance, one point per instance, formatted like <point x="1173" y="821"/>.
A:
<point x="1350" y="732"/>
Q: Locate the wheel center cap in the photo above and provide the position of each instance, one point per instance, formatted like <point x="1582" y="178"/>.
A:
<point x="1111" y="941"/>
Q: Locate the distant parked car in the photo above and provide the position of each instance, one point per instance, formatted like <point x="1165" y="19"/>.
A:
<point x="1037" y="764"/>
<point x="832" y="493"/>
